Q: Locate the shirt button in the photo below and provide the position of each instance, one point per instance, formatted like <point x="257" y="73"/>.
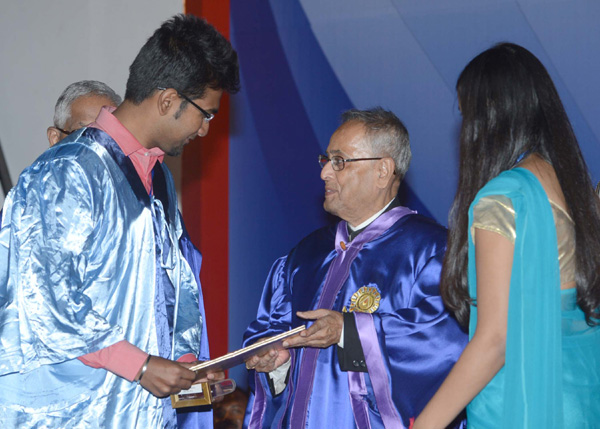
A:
<point x="355" y="363"/>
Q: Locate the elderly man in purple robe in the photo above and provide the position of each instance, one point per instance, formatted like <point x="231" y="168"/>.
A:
<point x="379" y="340"/>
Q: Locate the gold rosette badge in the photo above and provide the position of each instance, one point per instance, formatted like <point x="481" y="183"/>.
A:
<point x="365" y="300"/>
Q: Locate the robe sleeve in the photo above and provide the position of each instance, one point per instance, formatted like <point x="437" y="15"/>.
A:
<point x="410" y="351"/>
<point x="273" y="317"/>
<point x="275" y="309"/>
<point x="194" y="258"/>
<point x="48" y="229"/>
<point x="195" y="417"/>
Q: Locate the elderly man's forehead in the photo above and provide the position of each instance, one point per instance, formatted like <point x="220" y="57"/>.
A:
<point x="352" y="126"/>
<point x="351" y="133"/>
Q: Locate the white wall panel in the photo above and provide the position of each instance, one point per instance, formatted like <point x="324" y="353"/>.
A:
<point x="46" y="45"/>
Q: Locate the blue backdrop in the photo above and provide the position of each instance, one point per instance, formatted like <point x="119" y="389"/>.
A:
<point x="303" y="62"/>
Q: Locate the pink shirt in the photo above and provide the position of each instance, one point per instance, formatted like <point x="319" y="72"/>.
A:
<point x="123" y="358"/>
<point x="143" y="159"/>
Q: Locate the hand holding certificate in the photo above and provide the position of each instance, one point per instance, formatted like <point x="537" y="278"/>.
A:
<point x="202" y="393"/>
<point x="242" y="355"/>
<point x="267" y="360"/>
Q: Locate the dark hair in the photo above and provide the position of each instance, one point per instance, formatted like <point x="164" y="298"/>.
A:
<point x="386" y="134"/>
<point x="510" y="106"/>
<point x="186" y="53"/>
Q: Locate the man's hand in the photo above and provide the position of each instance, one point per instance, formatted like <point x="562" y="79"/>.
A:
<point x="164" y="377"/>
<point x="268" y="361"/>
<point x="209" y="376"/>
<point x="326" y="330"/>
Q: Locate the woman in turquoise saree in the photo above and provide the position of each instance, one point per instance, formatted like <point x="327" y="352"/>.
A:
<point x="522" y="268"/>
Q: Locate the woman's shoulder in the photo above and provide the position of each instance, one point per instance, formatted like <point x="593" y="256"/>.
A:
<point x="511" y="184"/>
<point x="520" y="189"/>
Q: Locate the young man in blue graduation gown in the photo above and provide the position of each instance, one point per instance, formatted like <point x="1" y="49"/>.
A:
<point x="98" y="279"/>
<point x="380" y="342"/>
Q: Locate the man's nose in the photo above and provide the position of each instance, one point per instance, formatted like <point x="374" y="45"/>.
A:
<point x="326" y="171"/>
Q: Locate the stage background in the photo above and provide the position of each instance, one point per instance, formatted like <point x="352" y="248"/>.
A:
<point x="303" y="62"/>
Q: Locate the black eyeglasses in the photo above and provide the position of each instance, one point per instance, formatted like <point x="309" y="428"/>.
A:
<point x="63" y="131"/>
<point x="207" y="116"/>
<point x="338" y="163"/>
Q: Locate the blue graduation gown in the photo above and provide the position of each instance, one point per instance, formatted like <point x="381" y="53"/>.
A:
<point x="410" y="342"/>
<point x="87" y="259"/>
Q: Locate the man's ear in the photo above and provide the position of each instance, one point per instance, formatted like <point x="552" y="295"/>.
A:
<point x="385" y="170"/>
<point x="54" y="136"/>
<point x="166" y="101"/>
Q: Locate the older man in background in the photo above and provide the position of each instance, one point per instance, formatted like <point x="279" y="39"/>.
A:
<point x="78" y="106"/>
<point x="381" y="342"/>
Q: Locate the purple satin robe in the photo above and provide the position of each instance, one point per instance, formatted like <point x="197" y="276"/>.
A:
<point x="410" y="342"/>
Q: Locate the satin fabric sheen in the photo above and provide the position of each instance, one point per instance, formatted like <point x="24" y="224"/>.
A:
<point x="337" y="274"/>
<point x="83" y="251"/>
<point x="551" y="376"/>
<point x="495" y="213"/>
<point x="418" y="340"/>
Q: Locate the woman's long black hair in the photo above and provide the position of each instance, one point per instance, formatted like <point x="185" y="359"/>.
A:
<point x="509" y="107"/>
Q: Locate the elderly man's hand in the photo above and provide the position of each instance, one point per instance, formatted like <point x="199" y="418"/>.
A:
<point x="268" y="361"/>
<point x="326" y="330"/>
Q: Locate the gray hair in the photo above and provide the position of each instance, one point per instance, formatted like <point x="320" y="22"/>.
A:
<point x="386" y="134"/>
<point x="62" y="109"/>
